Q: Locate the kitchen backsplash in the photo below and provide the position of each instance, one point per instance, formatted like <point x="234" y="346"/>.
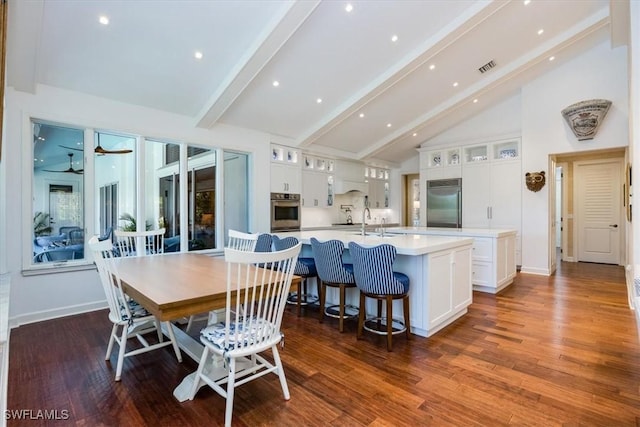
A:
<point x="321" y="217"/>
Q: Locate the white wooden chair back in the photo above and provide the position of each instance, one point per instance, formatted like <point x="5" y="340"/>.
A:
<point x="103" y="256"/>
<point x="253" y="320"/>
<point x="242" y="241"/>
<point x="140" y="243"/>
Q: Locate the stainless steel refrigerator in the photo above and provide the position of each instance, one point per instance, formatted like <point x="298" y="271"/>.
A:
<point x="444" y="203"/>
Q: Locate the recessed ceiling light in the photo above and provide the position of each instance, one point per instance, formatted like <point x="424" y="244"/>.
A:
<point x="526" y="2"/>
<point x="540" y="31"/>
<point x="319" y="100"/>
<point x="348" y="7"/>
<point x="388" y="125"/>
<point x="432" y="67"/>
<point x="455" y="84"/>
<point x="475" y="101"/>
<point x="394" y="38"/>
<point x="551" y="58"/>
<point x="103" y="20"/>
<point x="198" y="55"/>
<point x="361" y="115"/>
<point x="276" y="83"/>
<point x="415" y="134"/>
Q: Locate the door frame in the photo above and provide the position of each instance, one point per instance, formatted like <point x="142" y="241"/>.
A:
<point x="577" y="214"/>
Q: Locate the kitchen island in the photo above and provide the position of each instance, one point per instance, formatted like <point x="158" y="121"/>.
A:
<point x="494" y="253"/>
<point x="439" y="270"/>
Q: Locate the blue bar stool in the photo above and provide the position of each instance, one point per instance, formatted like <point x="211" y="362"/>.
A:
<point x="373" y="270"/>
<point x="305" y="267"/>
<point x="333" y="272"/>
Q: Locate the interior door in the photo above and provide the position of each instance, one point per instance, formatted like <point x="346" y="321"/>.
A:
<point x="598" y="194"/>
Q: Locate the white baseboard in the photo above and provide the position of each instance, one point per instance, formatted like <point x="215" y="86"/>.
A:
<point x="40" y="316"/>
<point x="533" y="270"/>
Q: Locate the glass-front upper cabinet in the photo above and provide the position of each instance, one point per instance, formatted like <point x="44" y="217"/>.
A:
<point x="452" y="156"/>
<point x="434" y="159"/>
<point x="476" y="153"/>
<point x="506" y="150"/>
<point x="280" y="153"/>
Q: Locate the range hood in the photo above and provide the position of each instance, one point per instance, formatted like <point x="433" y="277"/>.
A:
<point x="342" y="186"/>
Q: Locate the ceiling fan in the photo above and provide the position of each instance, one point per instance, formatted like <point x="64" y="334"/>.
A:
<point x="71" y="169"/>
<point x="101" y="151"/>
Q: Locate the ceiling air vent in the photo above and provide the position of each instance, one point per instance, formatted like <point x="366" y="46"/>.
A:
<point x="486" y="67"/>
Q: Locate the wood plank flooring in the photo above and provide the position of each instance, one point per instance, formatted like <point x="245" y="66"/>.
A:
<point x="547" y="351"/>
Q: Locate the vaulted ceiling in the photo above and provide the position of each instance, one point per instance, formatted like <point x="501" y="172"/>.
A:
<point x="368" y="80"/>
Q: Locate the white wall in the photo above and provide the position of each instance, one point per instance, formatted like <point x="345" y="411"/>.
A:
<point x="49" y="295"/>
<point x="499" y="122"/>
<point x="599" y="73"/>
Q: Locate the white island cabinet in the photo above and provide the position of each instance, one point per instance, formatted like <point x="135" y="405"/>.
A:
<point x="494" y="253"/>
<point x="439" y="270"/>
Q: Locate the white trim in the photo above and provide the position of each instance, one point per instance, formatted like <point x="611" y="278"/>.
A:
<point x="5" y="287"/>
<point x="537" y="271"/>
<point x="39" y="316"/>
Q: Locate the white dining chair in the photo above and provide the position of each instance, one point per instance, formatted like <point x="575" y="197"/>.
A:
<point x="124" y="312"/>
<point x="140" y="243"/>
<point x="237" y="240"/>
<point x="242" y="241"/>
<point x="255" y="302"/>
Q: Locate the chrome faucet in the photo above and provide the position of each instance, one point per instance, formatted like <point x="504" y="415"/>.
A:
<point x="365" y="211"/>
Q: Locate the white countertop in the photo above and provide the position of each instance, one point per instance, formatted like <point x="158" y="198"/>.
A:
<point x="405" y="244"/>
<point x="467" y="232"/>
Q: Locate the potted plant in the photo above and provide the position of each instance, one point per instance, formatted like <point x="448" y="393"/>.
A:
<point x="130" y="223"/>
<point x="41" y="225"/>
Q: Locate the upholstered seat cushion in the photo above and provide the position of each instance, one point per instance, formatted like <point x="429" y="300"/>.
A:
<point x="244" y="332"/>
<point x="135" y="309"/>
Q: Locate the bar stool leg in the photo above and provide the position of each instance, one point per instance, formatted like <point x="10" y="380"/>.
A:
<point x="299" y="296"/>
<point x="361" y="316"/>
<point x="342" y="295"/>
<point x="379" y="319"/>
<point x="389" y="299"/>
<point x="407" y="321"/>
<point x="323" y="294"/>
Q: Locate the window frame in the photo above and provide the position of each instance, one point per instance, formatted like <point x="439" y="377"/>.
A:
<point x="91" y="196"/>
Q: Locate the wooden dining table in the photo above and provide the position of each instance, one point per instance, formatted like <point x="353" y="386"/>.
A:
<point x="177" y="285"/>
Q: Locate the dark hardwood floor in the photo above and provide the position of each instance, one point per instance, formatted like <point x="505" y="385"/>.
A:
<point x="560" y="350"/>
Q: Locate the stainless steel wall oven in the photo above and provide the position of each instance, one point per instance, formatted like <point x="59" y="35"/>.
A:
<point x="285" y="212"/>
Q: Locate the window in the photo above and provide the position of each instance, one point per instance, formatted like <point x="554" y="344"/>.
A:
<point x="58" y="193"/>
<point x="136" y="184"/>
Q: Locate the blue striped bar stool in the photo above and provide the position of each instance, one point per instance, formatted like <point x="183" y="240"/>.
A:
<point x="305" y="267"/>
<point x="373" y="270"/>
<point x="332" y="272"/>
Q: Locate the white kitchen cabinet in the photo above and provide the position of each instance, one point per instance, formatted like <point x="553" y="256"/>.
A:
<point x="492" y="190"/>
<point x="442" y="163"/>
<point x="378" y="180"/>
<point x="451" y="270"/>
<point x="315" y="189"/>
<point x="494" y="263"/>
<point x="285" y="178"/>
<point x="317" y="182"/>
<point x="286" y="174"/>
<point x="493" y="253"/>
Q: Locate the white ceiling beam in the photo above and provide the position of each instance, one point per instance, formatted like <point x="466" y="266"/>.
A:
<point x="255" y="59"/>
